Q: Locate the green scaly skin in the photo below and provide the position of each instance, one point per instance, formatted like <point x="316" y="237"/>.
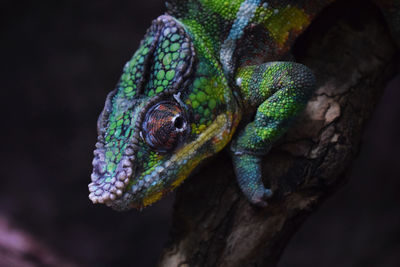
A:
<point x="199" y="70"/>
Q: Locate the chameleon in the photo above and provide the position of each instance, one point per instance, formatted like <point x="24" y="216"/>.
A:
<point x="208" y="74"/>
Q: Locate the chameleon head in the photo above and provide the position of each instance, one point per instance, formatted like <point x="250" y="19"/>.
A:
<point x="159" y="122"/>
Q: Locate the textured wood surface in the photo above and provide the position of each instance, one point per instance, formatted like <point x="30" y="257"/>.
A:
<point x="353" y="56"/>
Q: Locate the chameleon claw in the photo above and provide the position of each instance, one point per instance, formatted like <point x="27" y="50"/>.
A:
<point x="260" y="197"/>
<point x="268" y="193"/>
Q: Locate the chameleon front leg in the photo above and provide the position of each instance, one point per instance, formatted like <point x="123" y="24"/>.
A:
<point x="281" y="91"/>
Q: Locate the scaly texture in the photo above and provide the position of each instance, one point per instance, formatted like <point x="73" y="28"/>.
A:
<point x="199" y="70"/>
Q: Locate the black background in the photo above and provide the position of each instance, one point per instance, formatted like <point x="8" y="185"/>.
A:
<point x="59" y="59"/>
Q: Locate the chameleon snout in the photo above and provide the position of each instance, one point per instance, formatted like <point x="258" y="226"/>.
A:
<point x="109" y="184"/>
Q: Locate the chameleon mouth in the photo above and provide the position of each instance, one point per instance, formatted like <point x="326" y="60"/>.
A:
<point x="106" y="186"/>
<point x="127" y="187"/>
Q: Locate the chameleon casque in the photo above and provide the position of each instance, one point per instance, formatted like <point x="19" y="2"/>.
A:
<point x="207" y="73"/>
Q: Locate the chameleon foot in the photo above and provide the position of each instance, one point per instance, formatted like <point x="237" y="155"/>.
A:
<point x="248" y="172"/>
<point x="260" y="197"/>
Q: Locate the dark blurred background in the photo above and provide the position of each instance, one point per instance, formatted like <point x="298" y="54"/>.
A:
<point x="59" y="59"/>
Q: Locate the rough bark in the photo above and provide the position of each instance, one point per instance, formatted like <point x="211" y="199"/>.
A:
<point x="352" y="54"/>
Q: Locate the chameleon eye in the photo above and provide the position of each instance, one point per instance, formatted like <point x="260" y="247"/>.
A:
<point x="165" y="126"/>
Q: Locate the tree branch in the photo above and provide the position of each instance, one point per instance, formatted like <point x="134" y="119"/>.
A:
<point x="352" y="56"/>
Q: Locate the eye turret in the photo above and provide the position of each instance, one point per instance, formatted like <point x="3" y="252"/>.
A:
<point x="165" y="126"/>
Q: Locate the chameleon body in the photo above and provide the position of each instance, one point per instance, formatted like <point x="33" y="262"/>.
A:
<point x="206" y="74"/>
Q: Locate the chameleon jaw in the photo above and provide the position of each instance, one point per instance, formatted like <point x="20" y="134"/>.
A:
<point x="179" y="165"/>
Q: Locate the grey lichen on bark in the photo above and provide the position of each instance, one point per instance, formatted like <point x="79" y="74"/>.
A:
<point x="353" y="57"/>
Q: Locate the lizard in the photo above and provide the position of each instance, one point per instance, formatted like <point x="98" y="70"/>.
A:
<point x="208" y="74"/>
